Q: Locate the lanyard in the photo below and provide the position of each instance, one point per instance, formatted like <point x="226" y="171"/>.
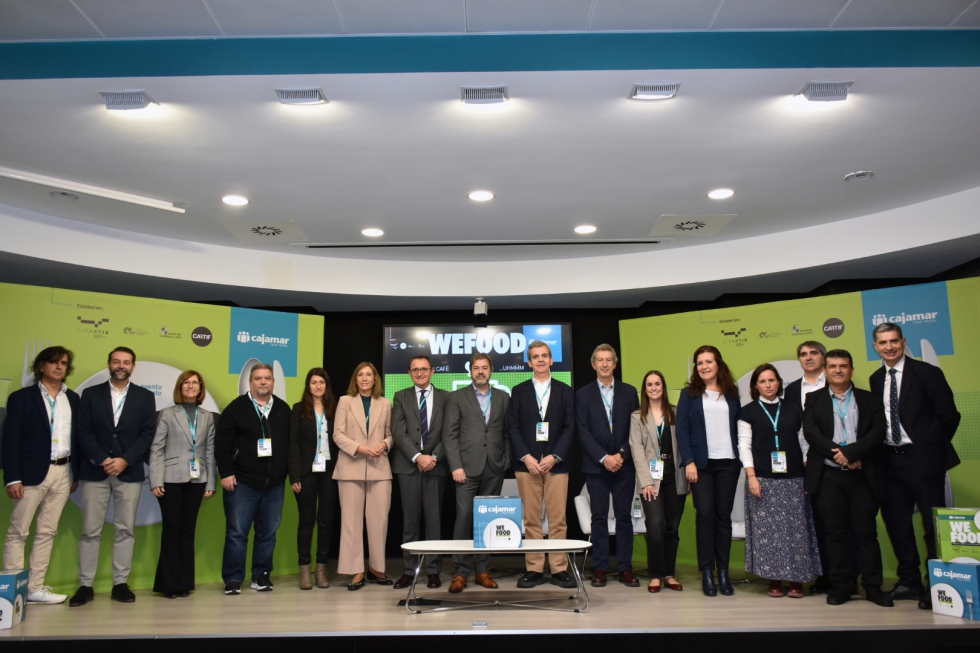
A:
<point x="608" y="406"/>
<point x="541" y="398"/>
<point x="775" y="421"/>
<point x="122" y="400"/>
<point x="320" y="419"/>
<point x="193" y="427"/>
<point x="660" y="432"/>
<point x="486" y="411"/>
<point x="262" y="412"/>
<point x="53" y="403"/>
<point x="843" y="416"/>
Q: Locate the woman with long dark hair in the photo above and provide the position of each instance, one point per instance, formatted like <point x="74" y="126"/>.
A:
<point x="707" y="416"/>
<point x="660" y="479"/>
<point x="312" y="456"/>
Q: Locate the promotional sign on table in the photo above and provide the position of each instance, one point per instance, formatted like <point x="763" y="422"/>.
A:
<point x="497" y="522"/>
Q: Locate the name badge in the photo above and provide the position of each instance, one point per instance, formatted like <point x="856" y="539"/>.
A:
<point x="319" y="462"/>
<point x="778" y="462"/>
<point x="657" y="470"/>
<point x="541" y="432"/>
<point x="265" y="447"/>
<point x="195" y="468"/>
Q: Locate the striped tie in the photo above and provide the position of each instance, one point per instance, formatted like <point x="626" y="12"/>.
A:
<point x="424" y="418"/>
<point x="896" y="426"/>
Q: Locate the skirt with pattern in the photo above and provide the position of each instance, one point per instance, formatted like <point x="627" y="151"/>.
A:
<point x="780" y="538"/>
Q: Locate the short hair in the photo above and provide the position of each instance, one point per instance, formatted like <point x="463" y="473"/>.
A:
<point x="125" y="350"/>
<point x="376" y="391"/>
<point x="260" y="366"/>
<point x="479" y="356"/>
<point x="538" y="343"/>
<point x="605" y="347"/>
<point x="53" y="355"/>
<point x="812" y="344"/>
<point x="838" y="353"/>
<point x="765" y="367"/>
<point x="420" y="356"/>
<point x="884" y="327"/>
<point x="179" y="396"/>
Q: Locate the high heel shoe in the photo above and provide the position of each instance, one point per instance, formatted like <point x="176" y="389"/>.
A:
<point x="708" y="583"/>
<point x="724" y="584"/>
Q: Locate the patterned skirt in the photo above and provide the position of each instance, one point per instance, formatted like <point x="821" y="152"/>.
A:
<point x="780" y="539"/>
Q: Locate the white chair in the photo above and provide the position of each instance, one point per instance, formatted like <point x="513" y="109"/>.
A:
<point x="738" y="510"/>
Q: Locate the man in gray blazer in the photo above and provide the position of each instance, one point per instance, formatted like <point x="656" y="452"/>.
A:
<point x="419" y="463"/>
<point x="478" y="449"/>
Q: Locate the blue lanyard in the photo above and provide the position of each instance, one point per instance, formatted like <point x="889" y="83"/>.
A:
<point x="319" y="430"/>
<point x="486" y="411"/>
<point x="262" y="412"/>
<point x="775" y="429"/>
<point x="53" y="403"/>
<point x="660" y="432"/>
<point x="608" y="406"/>
<point x="115" y="413"/>
<point x="193" y="427"/>
<point x="541" y="398"/>
<point x="843" y="416"/>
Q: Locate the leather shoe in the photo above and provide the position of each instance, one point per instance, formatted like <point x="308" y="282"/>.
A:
<point x="905" y="593"/>
<point x="628" y="578"/>
<point x="458" y="584"/>
<point x="405" y="580"/>
<point x="377" y="580"/>
<point x="434" y="581"/>
<point x="925" y="601"/>
<point x="878" y="597"/>
<point x="123" y="594"/>
<point x="838" y="597"/>
<point x="485" y="580"/>
<point x="708" y="583"/>
<point x="81" y="597"/>
<point x="673" y="585"/>
<point x="653" y="589"/>
<point x="724" y="584"/>
<point x="531" y="579"/>
<point x="820" y="586"/>
<point x="564" y="580"/>
<point x="598" y="578"/>
<point x="353" y="587"/>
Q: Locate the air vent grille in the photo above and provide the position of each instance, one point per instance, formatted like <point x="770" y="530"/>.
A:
<point x="483" y="94"/>
<point x="653" y="91"/>
<point x="825" y="91"/>
<point x="301" y="95"/>
<point x="125" y="100"/>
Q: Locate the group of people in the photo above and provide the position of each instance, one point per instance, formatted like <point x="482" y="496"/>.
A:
<point x="820" y="457"/>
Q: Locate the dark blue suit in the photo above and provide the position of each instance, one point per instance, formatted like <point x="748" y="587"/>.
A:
<point x="99" y="438"/>
<point x="27" y="436"/>
<point x="522" y="419"/>
<point x="599" y="441"/>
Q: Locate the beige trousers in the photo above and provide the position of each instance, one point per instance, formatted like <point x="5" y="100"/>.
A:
<point x="95" y="504"/>
<point x="360" y="500"/>
<point x="551" y="490"/>
<point x="47" y="500"/>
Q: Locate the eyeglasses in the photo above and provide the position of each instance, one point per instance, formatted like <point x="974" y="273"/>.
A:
<point x="190" y="383"/>
<point x="420" y="370"/>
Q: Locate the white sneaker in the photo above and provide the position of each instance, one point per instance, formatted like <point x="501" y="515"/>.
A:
<point x="45" y="595"/>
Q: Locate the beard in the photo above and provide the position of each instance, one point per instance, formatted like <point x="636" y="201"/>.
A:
<point x="119" y="374"/>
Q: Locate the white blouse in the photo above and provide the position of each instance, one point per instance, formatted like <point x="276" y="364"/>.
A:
<point x="717" y="426"/>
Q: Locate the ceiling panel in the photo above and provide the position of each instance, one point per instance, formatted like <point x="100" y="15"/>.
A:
<point x="636" y="15"/>
<point x="401" y="17"/>
<point x="901" y="13"/>
<point x="527" y="15"/>
<point x="276" y="17"/>
<point x="777" y="14"/>
<point x="150" y="18"/>
<point x="26" y="20"/>
<point x="970" y="18"/>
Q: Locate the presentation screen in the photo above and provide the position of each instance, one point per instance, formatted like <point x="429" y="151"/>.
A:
<point x="452" y="346"/>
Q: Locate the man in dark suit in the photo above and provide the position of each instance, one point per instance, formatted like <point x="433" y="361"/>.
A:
<point x="603" y="414"/>
<point x="922" y="420"/>
<point x="478" y="450"/>
<point x="845" y="427"/>
<point x="115" y="428"/>
<point x="37" y="465"/>
<point x="419" y="463"/>
<point x="541" y="421"/>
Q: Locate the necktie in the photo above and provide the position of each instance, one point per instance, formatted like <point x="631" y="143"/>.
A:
<point x="893" y="407"/>
<point x="424" y="418"/>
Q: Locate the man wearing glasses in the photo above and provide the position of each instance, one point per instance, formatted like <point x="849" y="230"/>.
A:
<point x="419" y="463"/>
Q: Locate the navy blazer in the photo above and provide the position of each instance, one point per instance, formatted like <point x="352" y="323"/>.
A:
<point x="27" y="436"/>
<point x="99" y="438"/>
<point x="692" y="435"/>
<point x="593" y="425"/>
<point x="522" y="419"/>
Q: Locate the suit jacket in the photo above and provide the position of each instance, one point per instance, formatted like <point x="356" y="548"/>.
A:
<point x="303" y="444"/>
<point x="522" y="419"/>
<point x="349" y="432"/>
<point x="406" y="432"/>
<point x="644" y="447"/>
<point x="27" y="436"/>
<point x="99" y="438"/>
<point x="473" y="444"/>
<point x="927" y="413"/>
<point x="692" y="435"/>
<point x="791" y="394"/>
<point x="173" y="447"/>
<point x="593" y="425"/>
<point x="818" y="429"/>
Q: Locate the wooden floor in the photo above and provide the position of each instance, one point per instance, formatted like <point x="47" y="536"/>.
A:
<point x="374" y="609"/>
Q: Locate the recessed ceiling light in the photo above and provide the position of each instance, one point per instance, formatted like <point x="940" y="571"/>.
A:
<point x="860" y="175"/>
<point x="585" y="229"/>
<point x="301" y="96"/>
<point x="481" y="196"/>
<point x="235" y="200"/>
<point x="483" y="94"/>
<point x="373" y="232"/>
<point x="125" y="100"/>
<point x="653" y="91"/>
<point x="63" y="195"/>
<point x="721" y="193"/>
<point x="825" y="91"/>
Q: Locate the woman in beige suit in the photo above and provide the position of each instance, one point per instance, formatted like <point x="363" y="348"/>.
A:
<point x="362" y="431"/>
<point x="660" y="481"/>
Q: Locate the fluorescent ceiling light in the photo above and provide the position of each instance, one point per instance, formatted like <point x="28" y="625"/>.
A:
<point x="126" y="100"/>
<point x="860" y="175"/>
<point x="825" y="91"/>
<point x="585" y="229"/>
<point x="653" y="91"/>
<point x="483" y="94"/>
<point x="88" y="189"/>
<point x="481" y="196"/>
<point x="373" y="232"/>
<point x="235" y="200"/>
<point x="721" y="193"/>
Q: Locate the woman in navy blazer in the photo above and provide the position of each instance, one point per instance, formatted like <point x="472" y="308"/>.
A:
<point x="707" y="436"/>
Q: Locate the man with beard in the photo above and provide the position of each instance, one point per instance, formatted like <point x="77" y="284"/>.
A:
<point x="117" y="421"/>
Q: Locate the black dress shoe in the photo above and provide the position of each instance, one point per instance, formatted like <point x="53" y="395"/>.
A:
<point x="123" y="594"/>
<point x="81" y="597"/>
<point x="170" y="595"/>
<point x="598" y="578"/>
<point x="708" y="583"/>
<point x="531" y="579"/>
<point x="820" y="586"/>
<point x="405" y="580"/>
<point x="434" y="582"/>
<point x="377" y="580"/>
<point x="905" y="593"/>
<point x="838" y="597"/>
<point x="878" y="597"/>
<point x="353" y="587"/>
<point x="563" y="579"/>
<point x="724" y="584"/>
<point x="925" y="601"/>
<point x="183" y="594"/>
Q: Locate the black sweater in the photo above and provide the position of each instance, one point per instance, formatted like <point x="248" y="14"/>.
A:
<point x="764" y="438"/>
<point x="236" y="445"/>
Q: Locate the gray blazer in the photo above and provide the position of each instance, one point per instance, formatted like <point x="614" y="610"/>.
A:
<point x="406" y="432"/>
<point x="172" y="448"/>
<point x="471" y="443"/>
<point x="644" y="447"/>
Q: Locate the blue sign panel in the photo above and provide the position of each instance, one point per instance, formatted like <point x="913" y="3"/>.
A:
<point x="922" y="311"/>
<point x="263" y="335"/>
<point x="546" y="333"/>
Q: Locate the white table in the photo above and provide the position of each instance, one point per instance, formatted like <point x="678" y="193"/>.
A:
<point x="465" y="547"/>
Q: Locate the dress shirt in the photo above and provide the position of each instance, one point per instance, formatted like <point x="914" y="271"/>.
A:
<point x="264" y="410"/>
<point x="419" y="392"/>
<point x="608" y="393"/>
<point x="484" y="399"/>
<point x="745" y="438"/>
<point x="839" y="426"/>
<point x="118" y="397"/>
<point x="61" y="429"/>
<point x="887" y="398"/>
<point x="805" y="388"/>
<point x="716" y="423"/>
<point x="542" y="391"/>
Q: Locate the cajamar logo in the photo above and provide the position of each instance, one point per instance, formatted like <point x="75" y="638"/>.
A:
<point x="93" y="323"/>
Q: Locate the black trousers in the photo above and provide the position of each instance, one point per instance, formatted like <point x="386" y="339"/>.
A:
<point x="179" y="506"/>
<point x="851" y="543"/>
<point x="662" y="517"/>
<point x="846" y="498"/>
<point x="621" y="485"/>
<point x="714" y="498"/>
<point x="422" y="496"/>
<point x="317" y="502"/>
<point x="907" y="489"/>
